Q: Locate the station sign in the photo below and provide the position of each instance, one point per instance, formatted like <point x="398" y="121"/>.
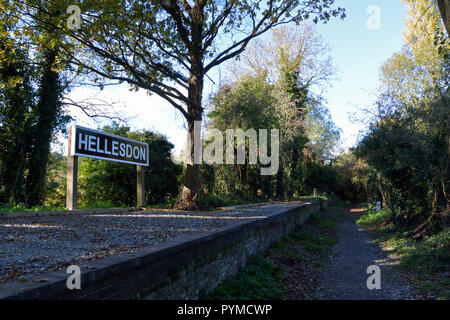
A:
<point x="86" y="142"/>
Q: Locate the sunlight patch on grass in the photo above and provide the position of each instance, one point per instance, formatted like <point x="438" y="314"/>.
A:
<point x="373" y="217"/>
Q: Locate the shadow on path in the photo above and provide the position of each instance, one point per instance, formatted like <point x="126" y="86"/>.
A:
<point x="346" y="275"/>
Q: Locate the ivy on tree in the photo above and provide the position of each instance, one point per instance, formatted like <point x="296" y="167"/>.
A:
<point x="167" y="47"/>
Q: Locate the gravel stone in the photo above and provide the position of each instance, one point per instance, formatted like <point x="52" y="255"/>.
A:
<point x="345" y="277"/>
<point x="32" y="245"/>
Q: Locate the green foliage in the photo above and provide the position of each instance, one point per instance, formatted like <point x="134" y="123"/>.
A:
<point x="340" y="203"/>
<point x="30" y="103"/>
<point x="315" y="243"/>
<point x="251" y="102"/>
<point x="406" y="147"/>
<point x="410" y="154"/>
<point x="322" y="177"/>
<point x="248" y="104"/>
<point x="16" y="116"/>
<point x="22" y="208"/>
<point x="373" y="217"/>
<point x="431" y="254"/>
<point x="261" y="279"/>
<point x="50" y="117"/>
<point x="211" y="201"/>
<point x="355" y="178"/>
<point x="321" y="130"/>
<point x="56" y="182"/>
<point x="427" y="260"/>
<point x="112" y="184"/>
<point x="330" y="222"/>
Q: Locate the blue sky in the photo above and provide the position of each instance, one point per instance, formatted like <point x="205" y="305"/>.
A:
<point x="357" y="52"/>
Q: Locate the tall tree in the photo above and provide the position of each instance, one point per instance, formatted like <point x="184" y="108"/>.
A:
<point x="33" y="53"/>
<point x="407" y="145"/>
<point x="16" y="100"/>
<point x="16" y="96"/>
<point x="293" y="60"/>
<point x="167" y="47"/>
<point x="48" y="110"/>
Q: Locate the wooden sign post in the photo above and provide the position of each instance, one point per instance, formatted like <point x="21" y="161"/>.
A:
<point x="72" y="177"/>
<point x="140" y="186"/>
<point x="91" y="143"/>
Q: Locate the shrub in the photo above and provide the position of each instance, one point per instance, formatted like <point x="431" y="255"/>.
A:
<point x="373" y="217"/>
<point x="261" y="279"/>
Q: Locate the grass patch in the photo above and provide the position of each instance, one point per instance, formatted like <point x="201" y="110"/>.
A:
<point x="261" y="279"/>
<point x="429" y="255"/>
<point x="331" y="222"/>
<point x="315" y="243"/>
<point x="309" y="198"/>
<point x="340" y="203"/>
<point x="427" y="261"/>
<point x="213" y="201"/>
<point x="22" y="208"/>
<point x="282" y="248"/>
<point x="373" y="217"/>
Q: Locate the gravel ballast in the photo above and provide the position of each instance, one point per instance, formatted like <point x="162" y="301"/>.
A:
<point x="33" y="245"/>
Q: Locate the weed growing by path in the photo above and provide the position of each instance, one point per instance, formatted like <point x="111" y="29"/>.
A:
<point x="426" y="262"/>
<point x="261" y="279"/>
<point x="22" y="208"/>
<point x="373" y="217"/>
<point x="269" y="276"/>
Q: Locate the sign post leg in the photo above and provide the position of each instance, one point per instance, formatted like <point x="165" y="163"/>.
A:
<point x="72" y="176"/>
<point x="140" y="186"/>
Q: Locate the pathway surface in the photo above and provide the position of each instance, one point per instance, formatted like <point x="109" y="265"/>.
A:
<point x="346" y="274"/>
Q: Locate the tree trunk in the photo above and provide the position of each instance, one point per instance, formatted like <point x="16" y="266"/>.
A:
<point x="444" y="8"/>
<point x="280" y="184"/>
<point x="380" y="187"/>
<point x="189" y="194"/>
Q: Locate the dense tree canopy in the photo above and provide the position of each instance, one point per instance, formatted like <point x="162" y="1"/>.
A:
<point x="407" y="144"/>
<point x="30" y="103"/>
<point x="168" y="47"/>
<point x="276" y="93"/>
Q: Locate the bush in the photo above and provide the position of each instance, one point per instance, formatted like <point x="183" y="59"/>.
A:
<point x="211" y="201"/>
<point x="373" y="217"/>
<point x="111" y="184"/>
<point x="340" y="203"/>
<point x="23" y="208"/>
<point x="428" y="259"/>
<point x="261" y="279"/>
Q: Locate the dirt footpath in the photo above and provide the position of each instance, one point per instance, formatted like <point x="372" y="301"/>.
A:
<point x="345" y="275"/>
